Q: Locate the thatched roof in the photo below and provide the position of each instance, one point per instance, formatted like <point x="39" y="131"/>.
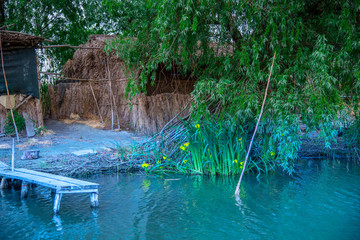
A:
<point x="15" y="40"/>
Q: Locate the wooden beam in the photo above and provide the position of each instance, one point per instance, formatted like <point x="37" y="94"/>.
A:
<point x="6" y="26"/>
<point x="69" y="46"/>
<point x="23" y="102"/>
<point x="82" y="79"/>
<point x="50" y="73"/>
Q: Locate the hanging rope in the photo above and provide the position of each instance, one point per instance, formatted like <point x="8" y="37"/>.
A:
<point x="7" y="89"/>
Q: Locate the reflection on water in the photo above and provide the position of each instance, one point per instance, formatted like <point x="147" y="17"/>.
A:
<point x="321" y="202"/>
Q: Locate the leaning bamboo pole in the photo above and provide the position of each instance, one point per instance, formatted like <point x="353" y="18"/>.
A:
<point x="96" y="102"/>
<point x="111" y="101"/>
<point x="7" y="89"/>
<point x="237" y="190"/>
<point x="112" y="98"/>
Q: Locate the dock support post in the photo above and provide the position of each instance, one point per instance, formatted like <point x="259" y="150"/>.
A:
<point x="3" y="183"/>
<point x="94" y="199"/>
<point x="57" y="202"/>
<point x="24" y="189"/>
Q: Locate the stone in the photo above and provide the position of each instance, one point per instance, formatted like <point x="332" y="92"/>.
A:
<point x="30" y="130"/>
<point x="30" y="154"/>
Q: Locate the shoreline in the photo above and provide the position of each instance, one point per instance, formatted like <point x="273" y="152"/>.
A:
<point x="58" y="154"/>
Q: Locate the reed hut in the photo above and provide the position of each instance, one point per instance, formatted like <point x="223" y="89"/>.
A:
<point x="21" y="71"/>
<point x="94" y="88"/>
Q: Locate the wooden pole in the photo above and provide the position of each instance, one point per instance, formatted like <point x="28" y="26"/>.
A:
<point x="94" y="199"/>
<point x="24" y="189"/>
<point x="113" y="98"/>
<point x="13" y="155"/>
<point x="3" y="183"/>
<point x="57" y="201"/>
<point x="7" y="89"/>
<point x="112" y="111"/>
<point x="40" y="113"/>
<point x="237" y="190"/>
<point x="97" y="106"/>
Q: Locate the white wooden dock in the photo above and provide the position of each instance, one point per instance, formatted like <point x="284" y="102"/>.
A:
<point x="59" y="184"/>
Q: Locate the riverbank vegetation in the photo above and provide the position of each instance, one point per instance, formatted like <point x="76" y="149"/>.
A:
<point x="227" y="46"/>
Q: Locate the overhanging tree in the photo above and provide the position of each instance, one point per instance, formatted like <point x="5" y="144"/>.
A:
<point x="227" y="47"/>
<point x="62" y="21"/>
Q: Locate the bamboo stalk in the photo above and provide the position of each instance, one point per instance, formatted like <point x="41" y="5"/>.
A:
<point x="92" y="91"/>
<point x="116" y="111"/>
<point x="7" y="89"/>
<point x="40" y="113"/>
<point x="69" y="46"/>
<point x="237" y="190"/>
<point x="112" y="95"/>
<point x="111" y="101"/>
<point x="13" y="155"/>
<point x="81" y="79"/>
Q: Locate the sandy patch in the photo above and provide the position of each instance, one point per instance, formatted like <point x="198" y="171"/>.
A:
<point x="5" y="146"/>
<point x="91" y="123"/>
<point x="33" y="142"/>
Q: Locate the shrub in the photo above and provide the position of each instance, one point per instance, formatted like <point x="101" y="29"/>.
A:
<point x="9" y="125"/>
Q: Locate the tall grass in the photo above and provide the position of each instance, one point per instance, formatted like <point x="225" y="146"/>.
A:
<point x="216" y="146"/>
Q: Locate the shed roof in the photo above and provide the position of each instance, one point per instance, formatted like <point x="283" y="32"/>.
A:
<point x="15" y="40"/>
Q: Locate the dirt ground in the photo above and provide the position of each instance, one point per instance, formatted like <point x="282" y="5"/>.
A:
<point x="71" y="148"/>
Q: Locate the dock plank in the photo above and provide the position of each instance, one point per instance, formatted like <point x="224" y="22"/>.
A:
<point x="83" y="184"/>
<point x="59" y="183"/>
<point x="44" y="181"/>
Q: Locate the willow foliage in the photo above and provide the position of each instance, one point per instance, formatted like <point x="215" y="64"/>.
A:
<point x="61" y="21"/>
<point x="227" y="46"/>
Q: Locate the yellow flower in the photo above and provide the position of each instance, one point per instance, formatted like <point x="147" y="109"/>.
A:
<point x="272" y="153"/>
<point x="186" y="144"/>
<point x="235" y="161"/>
<point x="182" y="148"/>
<point x="240" y="139"/>
<point x="145" y="165"/>
<point x="197" y="125"/>
<point x="164" y="157"/>
<point x="158" y="162"/>
<point x="185" y="161"/>
<point x="241" y="163"/>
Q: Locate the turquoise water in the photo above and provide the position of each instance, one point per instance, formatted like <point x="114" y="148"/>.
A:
<point x="321" y="202"/>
